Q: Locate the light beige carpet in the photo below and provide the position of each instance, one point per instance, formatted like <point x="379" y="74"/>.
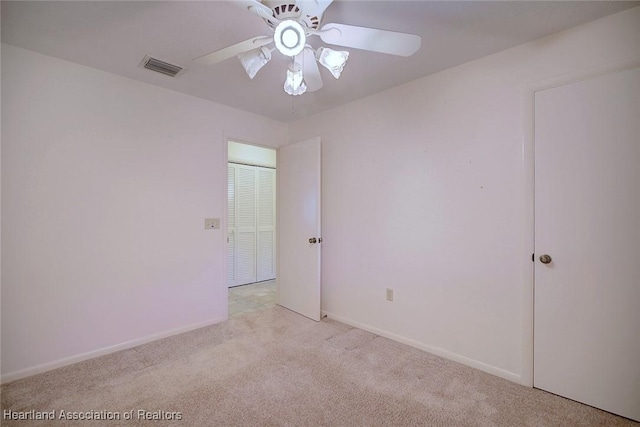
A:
<point x="276" y="368"/>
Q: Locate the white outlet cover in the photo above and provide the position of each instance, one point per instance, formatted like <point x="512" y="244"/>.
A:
<point x="389" y="294"/>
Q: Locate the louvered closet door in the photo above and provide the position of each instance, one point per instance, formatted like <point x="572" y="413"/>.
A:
<point x="251" y="217"/>
<point x="231" y="220"/>
<point x="266" y="220"/>
<point x="246" y="226"/>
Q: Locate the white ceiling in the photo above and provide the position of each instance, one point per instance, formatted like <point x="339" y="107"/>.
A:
<point x="114" y="36"/>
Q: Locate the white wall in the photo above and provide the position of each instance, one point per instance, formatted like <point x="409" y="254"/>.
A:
<point x="105" y="186"/>
<point x="424" y="191"/>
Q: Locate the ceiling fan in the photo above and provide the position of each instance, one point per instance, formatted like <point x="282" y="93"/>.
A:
<point x="293" y="22"/>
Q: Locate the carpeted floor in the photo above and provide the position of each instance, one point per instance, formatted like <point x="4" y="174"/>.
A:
<point x="276" y="368"/>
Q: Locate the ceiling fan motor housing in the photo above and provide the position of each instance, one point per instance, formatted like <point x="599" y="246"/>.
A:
<point x="287" y="9"/>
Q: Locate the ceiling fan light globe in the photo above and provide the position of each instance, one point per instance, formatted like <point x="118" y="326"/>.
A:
<point x="254" y="60"/>
<point x="332" y="60"/>
<point x="289" y="37"/>
<point x="294" y="83"/>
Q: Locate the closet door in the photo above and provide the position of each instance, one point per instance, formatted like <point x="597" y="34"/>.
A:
<point x="246" y="239"/>
<point x="251" y="218"/>
<point x="231" y="221"/>
<point x="587" y="242"/>
<point x="266" y="262"/>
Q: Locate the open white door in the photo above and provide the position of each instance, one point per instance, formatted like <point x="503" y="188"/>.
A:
<point x="298" y="213"/>
<point x="587" y="239"/>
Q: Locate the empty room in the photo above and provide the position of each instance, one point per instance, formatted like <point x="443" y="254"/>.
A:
<point x="451" y="236"/>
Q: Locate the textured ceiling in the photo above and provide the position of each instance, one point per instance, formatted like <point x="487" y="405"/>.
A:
<point x="114" y="36"/>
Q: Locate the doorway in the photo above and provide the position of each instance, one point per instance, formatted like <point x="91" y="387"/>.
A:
<point x="251" y="234"/>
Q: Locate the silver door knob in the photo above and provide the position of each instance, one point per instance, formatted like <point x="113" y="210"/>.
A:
<point x="313" y="240"/>
<point x="545" y="259"/>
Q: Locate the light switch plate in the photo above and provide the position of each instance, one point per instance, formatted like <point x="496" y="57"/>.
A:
<point x="211" y="223"/>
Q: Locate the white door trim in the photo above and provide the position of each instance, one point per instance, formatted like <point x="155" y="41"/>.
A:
<point x="528" y="186"/>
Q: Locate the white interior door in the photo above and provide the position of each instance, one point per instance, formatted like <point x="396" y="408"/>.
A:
<point x="587" y="218"/>
<point x="246" y="227"/>
<point x="298" y="207"/>
<point x="266" y="221"/>
<point x="231" y="225"/>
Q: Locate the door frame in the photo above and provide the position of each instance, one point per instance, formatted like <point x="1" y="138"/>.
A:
<point x="528" y="186"/>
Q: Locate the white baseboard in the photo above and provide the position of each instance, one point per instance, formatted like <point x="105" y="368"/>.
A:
<point x="38" y="369"/>
<point x="511" y="376"/>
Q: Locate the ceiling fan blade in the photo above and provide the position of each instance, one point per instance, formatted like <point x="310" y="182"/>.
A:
<point x="306" y="60"/>
<point x="234" y="50"/>
<point x="254" y="6"/>
<point x="313" y="7"/>
<point x="322" y="6"/>
<point x="382" y="41"/>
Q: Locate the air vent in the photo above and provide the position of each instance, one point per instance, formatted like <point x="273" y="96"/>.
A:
<point x="160" y="66"/>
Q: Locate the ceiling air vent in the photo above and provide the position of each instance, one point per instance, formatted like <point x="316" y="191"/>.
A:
<point x="159" y="66"/>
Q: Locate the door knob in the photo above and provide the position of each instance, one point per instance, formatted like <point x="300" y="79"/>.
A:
<point x="313" y="240"/>
<point x="545" y="259"/>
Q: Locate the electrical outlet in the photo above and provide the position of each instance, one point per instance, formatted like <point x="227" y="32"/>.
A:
<point x="211" y="223"/>
<point x="389" y="294"/>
